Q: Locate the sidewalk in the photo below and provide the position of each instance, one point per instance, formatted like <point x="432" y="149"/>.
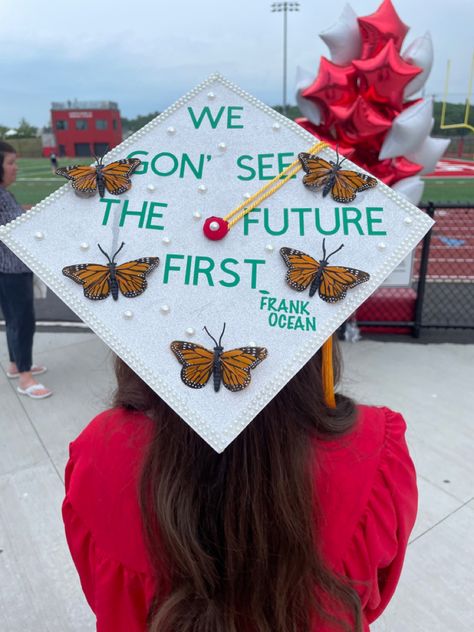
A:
<point x="431" y="384"/>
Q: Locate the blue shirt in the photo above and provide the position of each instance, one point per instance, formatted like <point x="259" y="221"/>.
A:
<point x="9" y="210"/>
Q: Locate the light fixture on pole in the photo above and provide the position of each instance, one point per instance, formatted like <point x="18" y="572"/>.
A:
<point x="284" y="7"/>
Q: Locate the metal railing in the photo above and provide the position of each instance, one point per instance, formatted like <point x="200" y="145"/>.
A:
<point x="84" y="105"/>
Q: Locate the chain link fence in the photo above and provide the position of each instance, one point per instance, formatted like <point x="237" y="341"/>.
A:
<point x="442" y="290"/>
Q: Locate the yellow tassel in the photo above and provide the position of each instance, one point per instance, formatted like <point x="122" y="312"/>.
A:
<point x="328" y="374"/>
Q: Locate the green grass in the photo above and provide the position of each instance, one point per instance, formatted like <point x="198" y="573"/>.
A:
<point x="29" y="191"/>
<point x="449" y="190"/>
<point x="35" y="179"/>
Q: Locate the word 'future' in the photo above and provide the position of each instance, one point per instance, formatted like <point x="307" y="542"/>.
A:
<point x="345" y="220"/>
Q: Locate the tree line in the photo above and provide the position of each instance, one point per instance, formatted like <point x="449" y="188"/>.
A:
<point x="455" y="113"/>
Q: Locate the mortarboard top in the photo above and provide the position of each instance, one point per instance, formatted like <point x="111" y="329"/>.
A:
<point x="204" y="156"/>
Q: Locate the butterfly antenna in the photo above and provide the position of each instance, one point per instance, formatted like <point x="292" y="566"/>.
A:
<point x="212" y="337"/>
<point x="220" y="339"/>
<point x="337" y="154"/>
<point x="324" y="249"/>
<point x="104" y="253"/>
<point x="333" y="253"/>
<point x="123" y="244"/>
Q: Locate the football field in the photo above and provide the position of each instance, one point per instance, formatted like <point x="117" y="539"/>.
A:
<point x="35" y="179"/>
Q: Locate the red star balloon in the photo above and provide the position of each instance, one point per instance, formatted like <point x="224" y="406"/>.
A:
<point x="322" y="133"/>
<point x="359" y="120"/>
<point x="391" y="171"/>
<point x="390" y="112"/>
<point x="334" y="85"/>
<point x="404" y="168"/>
<point x="383" y="78"/>
<point x="379" y="27"/>
<point x="383" y="170"/>
<point x="364" y="115"/>
<point x="368" y="150"/>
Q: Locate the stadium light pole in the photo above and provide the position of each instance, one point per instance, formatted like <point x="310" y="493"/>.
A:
<point x="284" y="7"/>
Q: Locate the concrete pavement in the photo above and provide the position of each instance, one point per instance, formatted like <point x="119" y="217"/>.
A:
<point x="432" y="385"/>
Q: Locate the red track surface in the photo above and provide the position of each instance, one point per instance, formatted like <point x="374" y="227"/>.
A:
<point x="451" y="168"/>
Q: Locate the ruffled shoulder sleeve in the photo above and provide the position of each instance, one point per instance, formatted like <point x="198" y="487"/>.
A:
<point x="375" y="553"/>
<point x="102" y="520"/>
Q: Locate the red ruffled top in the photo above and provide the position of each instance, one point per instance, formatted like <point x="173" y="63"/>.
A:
<point x="366" y="488"/>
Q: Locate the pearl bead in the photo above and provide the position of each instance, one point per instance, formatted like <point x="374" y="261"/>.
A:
<point x="171" y="131"/>
<point x="408" y="221"/>
<point x="150" y="187"/>
<point x="166" y="240"/>
<point x="165" y="309"/>
<point x="269" y="248"/>
<point x="252" y="343"/>
<point x="214" y="226"/>
<point x="276" y="126"/>
<point x="128" y="314"/>
<point x="247" y="196"/>
<point x="39" y="235"/>
<point x="84" y="246"/>
<point x="197" y="215"/>
<point x="202" y="188"/>
<point x="222" y="146"/>
<point x="211" y="96"/>
<point x="190" y="331"/>
<point x="382" y="246"/>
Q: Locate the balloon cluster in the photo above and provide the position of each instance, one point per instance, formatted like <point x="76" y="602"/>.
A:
<point x="360" y="102"/>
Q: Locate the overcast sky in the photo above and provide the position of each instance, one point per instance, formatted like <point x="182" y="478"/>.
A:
<point x="145" y="54"/>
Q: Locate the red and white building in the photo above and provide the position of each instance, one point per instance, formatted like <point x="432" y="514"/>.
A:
<point x="86" y="128"/>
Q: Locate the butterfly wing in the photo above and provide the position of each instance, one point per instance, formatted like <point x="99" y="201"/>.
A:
<point x="197" y="362"/>
<point x="131" y="275"/>
<point x="348" y="183"/>
<point x="301" y="268"/>
<point x="84" y="178"/>
<point x="336" y="280"/>
<point x="318" y="170"/>
<point x="94" y="278"/>
<point x="117" y="175"/>
<point x="236" y="365"/>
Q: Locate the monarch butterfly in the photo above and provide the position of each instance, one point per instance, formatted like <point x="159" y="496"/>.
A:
<point x="342" y="183"/>
<point x="115" y="177"/>
<point x="231" y="367"/>
<point x="332" y="282"/>
<point x="99" y="281"/>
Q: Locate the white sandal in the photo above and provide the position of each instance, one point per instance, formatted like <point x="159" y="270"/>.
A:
<point x="35" y="370"/>
<point x="31" y="391"/>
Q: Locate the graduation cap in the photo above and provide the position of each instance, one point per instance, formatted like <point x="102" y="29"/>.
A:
<point x="218" y="265"/>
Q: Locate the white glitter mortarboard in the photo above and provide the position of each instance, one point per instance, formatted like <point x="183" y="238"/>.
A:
<point x="203" y="157"/>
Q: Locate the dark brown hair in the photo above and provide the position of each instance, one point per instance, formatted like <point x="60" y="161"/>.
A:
<point x="5" y="148"/>
<point x="234" y="536"/>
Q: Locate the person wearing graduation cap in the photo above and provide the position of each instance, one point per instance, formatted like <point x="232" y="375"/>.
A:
<point x="230" y="488"/>
<point x="302" y="523"/>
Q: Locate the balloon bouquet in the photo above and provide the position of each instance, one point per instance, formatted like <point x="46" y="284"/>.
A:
<point x="360" y="100"/>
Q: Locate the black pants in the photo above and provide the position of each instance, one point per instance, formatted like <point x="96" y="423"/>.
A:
<point x="16" y="301"/>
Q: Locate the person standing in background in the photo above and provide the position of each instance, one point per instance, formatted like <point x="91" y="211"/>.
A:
<point x="16" y="291"/>
<point x="54" y="163"/>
